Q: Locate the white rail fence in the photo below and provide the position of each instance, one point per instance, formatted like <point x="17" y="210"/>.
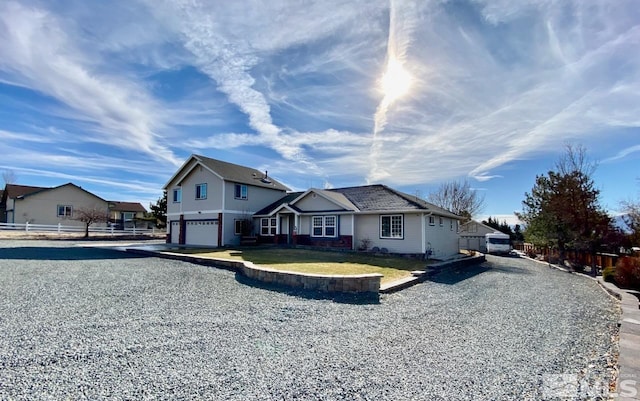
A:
<point x="59" y="228"/>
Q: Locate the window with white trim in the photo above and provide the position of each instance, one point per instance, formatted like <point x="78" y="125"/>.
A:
<point x="451" y="224"/>
<point x="324" y="226"/>
<point x="268" y="226"/>
<point x="177" y="195"/>
<point x="239" y="226"/>
<point x="432" y="221"/>
<point x="65" y="210"/>
<point x="392" y="226"/>
<point x="241" y="191"/>
<point x="201" y="191"/>
<point x="441" y="221"/>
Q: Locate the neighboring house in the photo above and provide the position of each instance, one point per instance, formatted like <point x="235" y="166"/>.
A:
<point x="373" y="216"/>
<point x="472" y="235"/>
<point x="209" y="202"/>
<point x="38" y="205"/>
<point x="126" y="214"/>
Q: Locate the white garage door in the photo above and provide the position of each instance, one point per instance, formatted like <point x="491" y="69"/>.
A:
<point x="175" y="232"/>
<point x="202" y="232"/>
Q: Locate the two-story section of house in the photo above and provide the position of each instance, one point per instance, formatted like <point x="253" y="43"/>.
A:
<point x="210" y="202"/>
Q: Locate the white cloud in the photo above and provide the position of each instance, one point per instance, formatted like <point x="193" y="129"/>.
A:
<point x="36" y="53"/>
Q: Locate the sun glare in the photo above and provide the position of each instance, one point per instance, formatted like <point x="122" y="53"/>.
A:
<point x="396" y="81"/>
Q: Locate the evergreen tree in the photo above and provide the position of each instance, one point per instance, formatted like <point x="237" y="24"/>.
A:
<point x="563" y="208"/>
<point x="159" y="210"/>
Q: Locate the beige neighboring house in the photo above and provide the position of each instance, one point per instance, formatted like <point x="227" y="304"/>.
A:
<point x="126" y="214"/>
<point x="39" y="205"/>
<point x="472" y="235"/>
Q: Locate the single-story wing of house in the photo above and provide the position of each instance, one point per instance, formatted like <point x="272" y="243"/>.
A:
<point x="360" y="218"/>
<point x="215" y="203"/>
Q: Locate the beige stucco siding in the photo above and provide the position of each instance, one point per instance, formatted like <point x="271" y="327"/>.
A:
<point x="191" y="206"/>
<point x="42" y="207"/>
<point x="314" y="202"/>
<point x="443" y="240"/>
<point x="368" y="227"/>
<point x="257" y="198"/>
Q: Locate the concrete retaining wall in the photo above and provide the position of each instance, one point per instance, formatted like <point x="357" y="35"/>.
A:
<point x="316" y="282"/>
<point x="361" y="283"/>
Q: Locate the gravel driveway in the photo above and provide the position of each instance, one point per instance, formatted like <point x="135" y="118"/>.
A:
<point x="90" y="323"/>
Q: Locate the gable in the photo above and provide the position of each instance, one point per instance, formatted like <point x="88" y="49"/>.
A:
<point x="313" y="202"/>
<point x="226" y="171"/>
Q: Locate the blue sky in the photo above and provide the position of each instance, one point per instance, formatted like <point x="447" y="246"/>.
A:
<point x="114" y="96"/>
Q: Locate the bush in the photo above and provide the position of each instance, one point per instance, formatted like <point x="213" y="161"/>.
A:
<point x="609" y="274"/>
<point x="628" y="273"/>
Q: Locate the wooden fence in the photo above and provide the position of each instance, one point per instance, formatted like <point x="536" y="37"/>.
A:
<point x="602" y="260"/>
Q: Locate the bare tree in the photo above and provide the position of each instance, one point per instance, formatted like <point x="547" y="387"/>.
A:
<point x="631" y="218"/>
<point x="9" y="177"/>
<point x="459" y="198"/>
<point x="90" y="216"/>
<point x="575" y="160"/>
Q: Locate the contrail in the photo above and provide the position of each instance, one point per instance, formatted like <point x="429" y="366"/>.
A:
<point x="401" y="25"/>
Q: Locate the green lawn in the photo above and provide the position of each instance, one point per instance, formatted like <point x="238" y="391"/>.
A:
<point x="319" y="262"/>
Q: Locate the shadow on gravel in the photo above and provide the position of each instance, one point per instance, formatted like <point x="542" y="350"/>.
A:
<point x="338" y="297"/>
<point x="53" y="253"/>
<point x="455" y="276"/>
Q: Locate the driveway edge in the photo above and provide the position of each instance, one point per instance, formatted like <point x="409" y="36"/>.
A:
<point x="628" y="380"/>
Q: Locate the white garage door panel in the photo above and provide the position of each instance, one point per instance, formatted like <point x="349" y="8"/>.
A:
<point x="202" y="232"/>
<point x="175" y="232"/>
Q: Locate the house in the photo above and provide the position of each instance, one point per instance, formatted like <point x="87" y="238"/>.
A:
<point x="363" y="217"/>
<point x="472" y="235"/>
<point x="215" y="203"/>
<point x="126" y="214"/>
<point x="40" y="205"/>
<point x="211" y="202"/>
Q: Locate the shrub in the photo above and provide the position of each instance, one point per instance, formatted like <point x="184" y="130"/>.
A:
<point x="609" y="274"/>
<point x="628" y="273"/>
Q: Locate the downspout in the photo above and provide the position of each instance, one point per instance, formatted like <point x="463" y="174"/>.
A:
<point x="221" y="215"/>
<point x="425" y="225"/>
<point x="353" y="232"/>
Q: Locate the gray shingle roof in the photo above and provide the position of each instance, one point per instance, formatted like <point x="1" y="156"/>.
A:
<point x="240" y="174"/>
<point x="126" y="206"/>
<point x="370" y="198"/>
<point x="286" y="199"/>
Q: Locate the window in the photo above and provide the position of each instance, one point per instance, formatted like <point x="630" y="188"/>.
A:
<point x="441" y="221"/>
<point x="432" y="221"/>
<point x="451" y="224"/>
<point x="177" y="195"/>
<point x="268" y="226"/>
<point x="239" y="227"/>
<point x="241" y="191"/>
<point x="65" y="211"/>
<point x="391" y="226"/>
<point x="324" y="226"/>
<point x="128" y="216"/>
<point x="201" y="191"/>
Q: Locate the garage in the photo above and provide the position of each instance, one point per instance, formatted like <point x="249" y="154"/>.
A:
<point x="201" y="232"/>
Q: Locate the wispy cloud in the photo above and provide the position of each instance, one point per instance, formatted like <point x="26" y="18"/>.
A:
<point x="36" y="53"/>
<point x="137" y="86"/>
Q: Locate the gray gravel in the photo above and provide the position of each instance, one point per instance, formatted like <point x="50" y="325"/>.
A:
<point x="97" y="324"/>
